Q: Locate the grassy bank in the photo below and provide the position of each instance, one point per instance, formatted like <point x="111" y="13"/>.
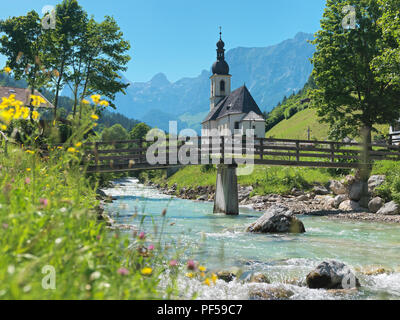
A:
<point x="264" y="179"/>
<point x="49" y="230"/>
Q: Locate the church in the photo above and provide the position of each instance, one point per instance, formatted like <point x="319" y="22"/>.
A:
<point x="231" y="112"/>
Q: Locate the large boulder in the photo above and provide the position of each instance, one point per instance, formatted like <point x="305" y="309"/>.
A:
<point x="332" y="275"/>
<point x="277" y="219"/>
<point x="375" y="204"/>
<point x="375" y="182"/>
<point x="349" y="205"/>
<point x="337" y="187"/>
<point x="390" y="209"/>
<point x="339" y="200"/>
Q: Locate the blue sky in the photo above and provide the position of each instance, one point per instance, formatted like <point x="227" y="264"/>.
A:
<point x="177" y="37"/>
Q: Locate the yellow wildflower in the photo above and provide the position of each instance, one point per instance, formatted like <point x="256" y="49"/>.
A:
<point x="94" y="117"/>
<point x="202" y="269"/>
<point x="7" y="70"/>
<point x="96" y="98"/>
<point x="214" y="278"/>
<point x="35" y="115"/>
<point x="189" y="275"/>
<point x="3" y="127"/>
<point x="37" y="100"/>
<point x="71" y="150"/>
<point x="30" y="151"/>
<point x="147" y="271"/>
<point x="84" y="101"/>
<point x="104" y="103"/>
<point x="28" y="169"/>
<point x="79" y="144"/>
<point x="207" y="282"/>
<point x="202" y="275"/>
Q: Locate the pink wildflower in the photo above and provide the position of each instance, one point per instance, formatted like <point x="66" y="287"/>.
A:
<point x="191" y="265"/>
<point x="123" y="271"/>
<point x="44" y="202"/>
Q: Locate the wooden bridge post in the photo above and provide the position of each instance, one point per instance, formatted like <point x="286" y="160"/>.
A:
<point x="222" y="150"/>
<point x="261" y="149"/>
<point x="332" y="152"/>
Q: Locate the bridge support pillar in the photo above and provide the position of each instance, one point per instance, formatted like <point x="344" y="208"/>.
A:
<point x="226" y="195"/>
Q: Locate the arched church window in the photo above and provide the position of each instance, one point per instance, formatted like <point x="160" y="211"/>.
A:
<point x="222" y="86"/>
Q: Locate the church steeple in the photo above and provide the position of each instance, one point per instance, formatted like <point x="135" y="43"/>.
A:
<point x="221" y="79"/>
<point x="220" y="66"/>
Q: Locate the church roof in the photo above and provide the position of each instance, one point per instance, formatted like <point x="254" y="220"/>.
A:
<point x="252" y="116"/>
<point x="239" y="101"/>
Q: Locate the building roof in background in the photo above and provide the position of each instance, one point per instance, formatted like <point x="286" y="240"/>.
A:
<point x="239" y="101"/>
<point x="23" y="95"/>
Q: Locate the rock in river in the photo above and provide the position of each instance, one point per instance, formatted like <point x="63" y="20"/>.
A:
<point x="390" y="209"/>
<point x="332" y="275"/>
<point x="375" y="204"/>
<point x="277" y="219"/>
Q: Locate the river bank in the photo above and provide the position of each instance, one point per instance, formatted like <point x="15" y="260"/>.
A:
<point x="301" y="203"/>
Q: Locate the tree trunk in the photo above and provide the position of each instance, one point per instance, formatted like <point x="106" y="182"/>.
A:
<point x="75" y="100"/>
<point x="58" y="89"/>
<point x="366" y="166"/>
<point x="84" y="89"/>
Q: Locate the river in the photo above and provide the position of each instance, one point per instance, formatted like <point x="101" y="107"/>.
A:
<point x="220" y="243"/>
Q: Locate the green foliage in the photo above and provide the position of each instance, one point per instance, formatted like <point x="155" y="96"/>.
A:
<point x="139" y="131"/>
<point x="61" y="43"/>
<point x="265" y="180"/>
<point x="115" y="133"/>
<point x="24" y="35"/>
<point x="350" y="96"/>
<point x="390" y="190"/>
<point x="47" y="219"/>
<point x="207" y="168"/>
<point x="289" y="106"/>
<point x="386" y="66"/>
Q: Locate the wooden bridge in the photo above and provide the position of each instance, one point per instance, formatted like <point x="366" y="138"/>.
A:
<point x="229" y="152"/>
<point x="132" y="155"/>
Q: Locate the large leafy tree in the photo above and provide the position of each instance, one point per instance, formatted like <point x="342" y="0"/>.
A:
<point x="60" y="43"/>
<point x="22" y="43"/>
<point x="387" y="66"/>
<point x="351" y="96"/>
<point x="98" y="61"/>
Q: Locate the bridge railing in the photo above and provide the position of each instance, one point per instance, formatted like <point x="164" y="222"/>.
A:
<point x="129" y="155"/>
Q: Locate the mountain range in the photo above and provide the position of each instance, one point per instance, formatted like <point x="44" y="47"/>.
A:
<point x="269" y="73"/>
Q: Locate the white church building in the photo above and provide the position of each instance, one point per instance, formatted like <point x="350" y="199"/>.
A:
<point x="231" y="112"/>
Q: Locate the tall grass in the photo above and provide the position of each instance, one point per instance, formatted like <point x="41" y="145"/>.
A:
<point x="47" y="218"/>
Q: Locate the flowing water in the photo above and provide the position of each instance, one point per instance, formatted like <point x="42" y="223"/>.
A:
<point x="220" y="243"/>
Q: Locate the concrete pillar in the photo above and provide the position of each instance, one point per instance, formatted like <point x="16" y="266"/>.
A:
<point x="226" y="195"/>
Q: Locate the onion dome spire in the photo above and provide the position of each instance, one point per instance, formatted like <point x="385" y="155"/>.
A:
<point x="220" y="66"/>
